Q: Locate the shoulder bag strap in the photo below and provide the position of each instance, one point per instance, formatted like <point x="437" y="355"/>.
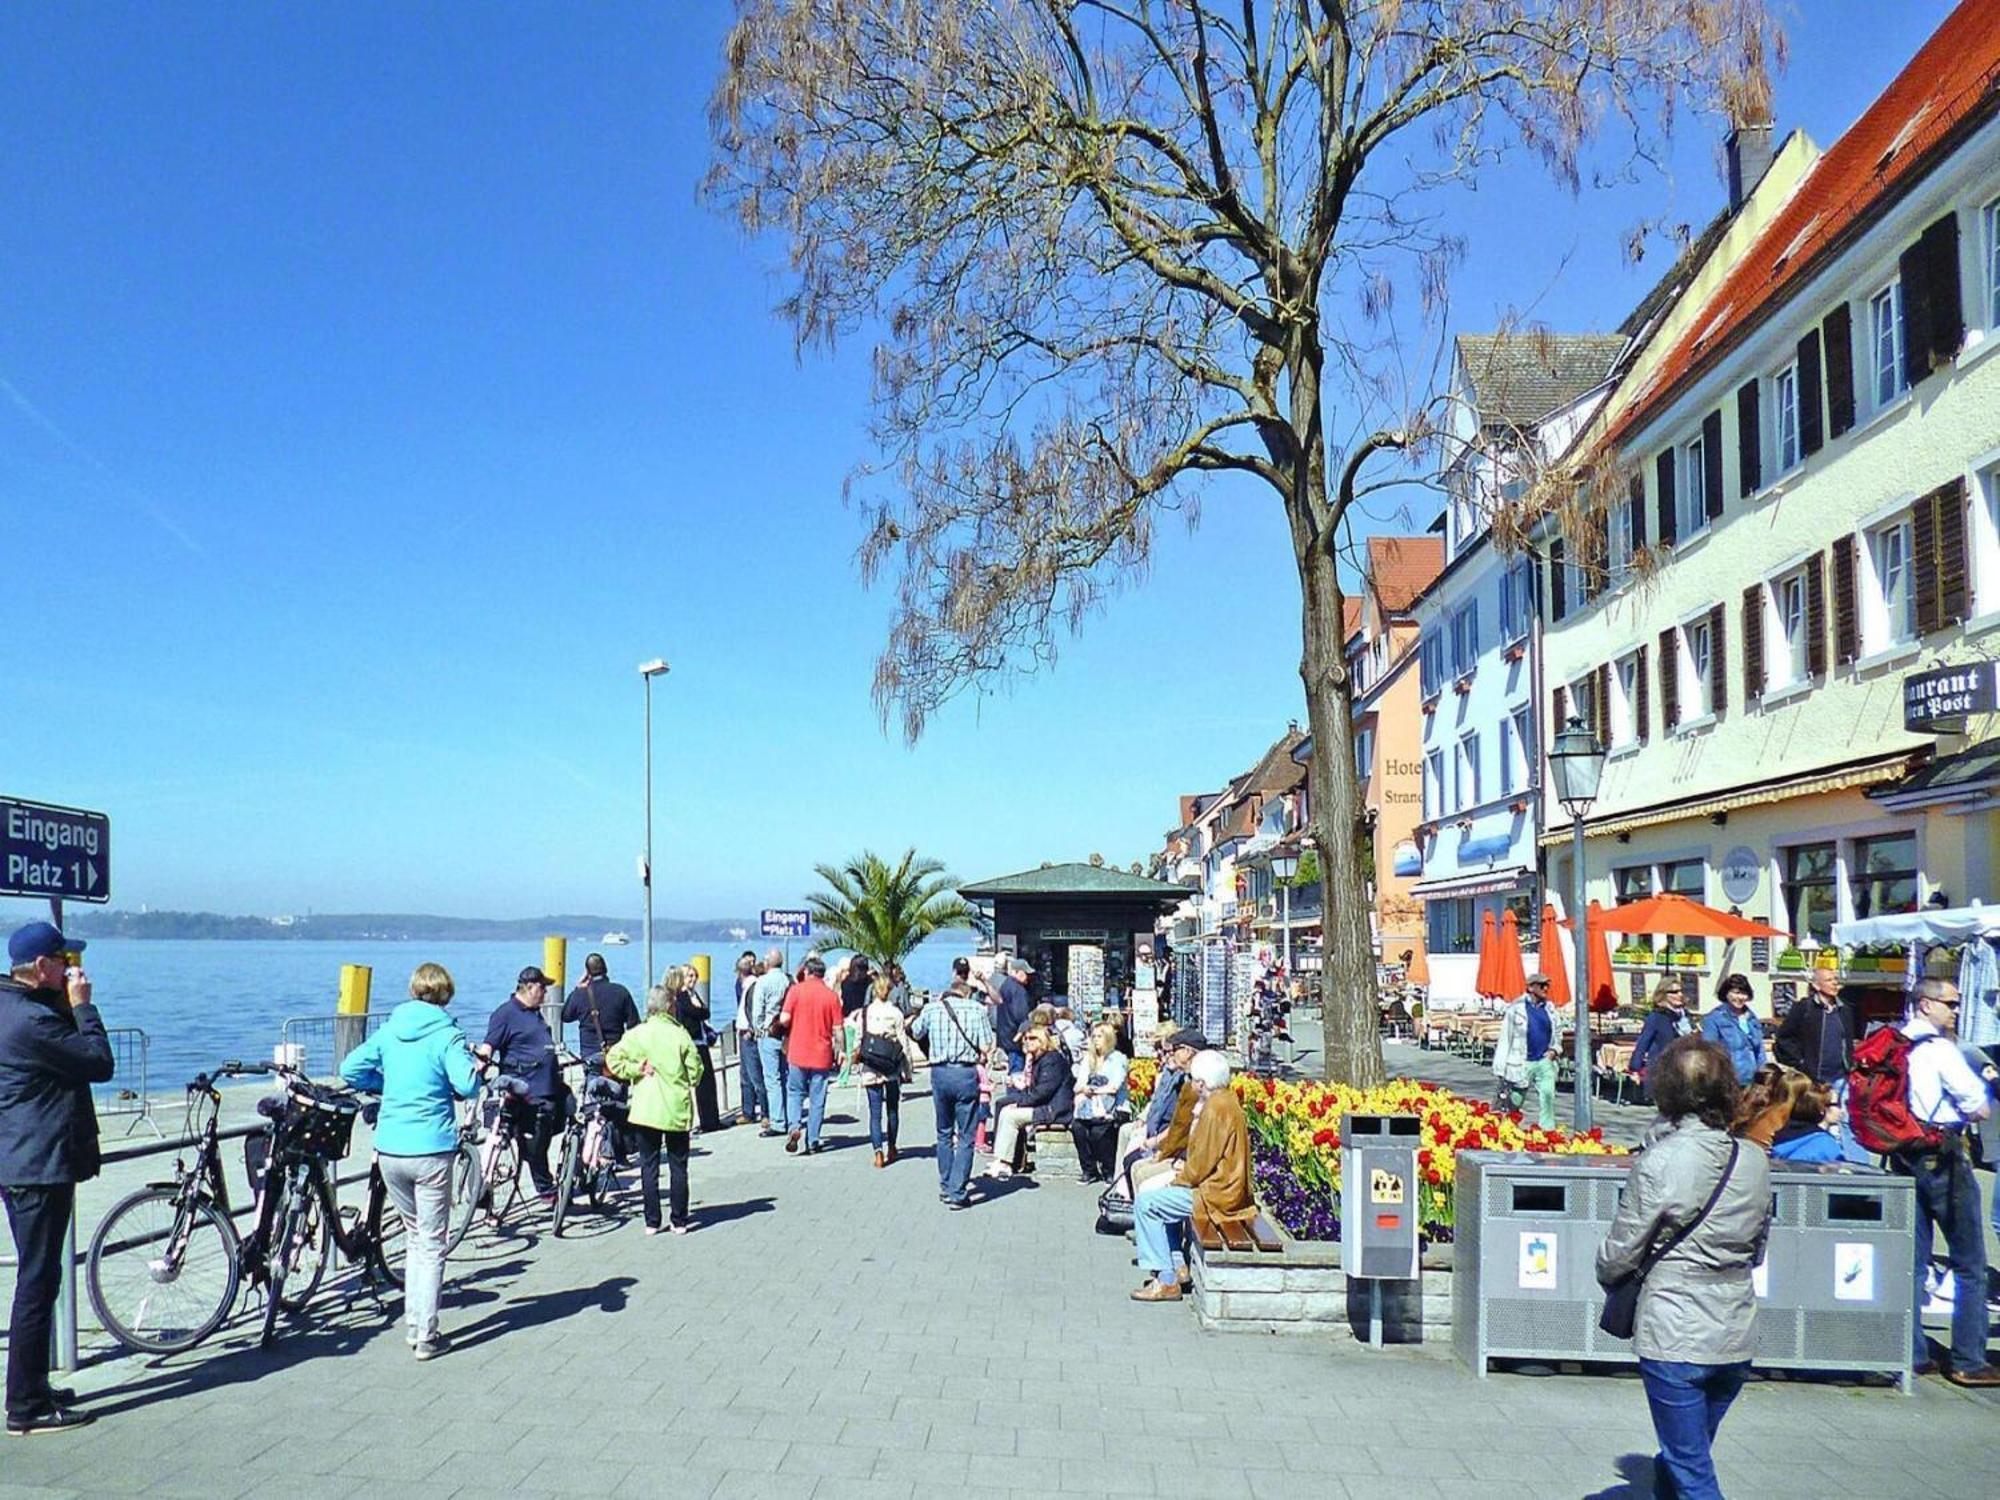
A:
<point x="1660" y="1253"/>
<point x="959" y="1026"/>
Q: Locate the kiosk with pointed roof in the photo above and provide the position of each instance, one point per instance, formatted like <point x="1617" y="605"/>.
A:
<point x="1041" y="914"/>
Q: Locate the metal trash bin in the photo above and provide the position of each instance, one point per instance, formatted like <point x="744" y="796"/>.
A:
<point x="1524" y="1269"/>
<point x="1837" y="1289"/>
<point x="1381" y="1206"/>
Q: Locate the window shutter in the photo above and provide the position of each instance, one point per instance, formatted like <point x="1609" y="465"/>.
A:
<point x="1753" y="644"/>
<point x="1749" y="441"/>
<point x="1933" y="315"/>
<point x="1816" y="615"/>
<point x="1838" y="334"/>
<point x="1642" y="690"/>
<point x="1670" y="687"/>
<point x="1952" y="584"/>
<point x="1558" y="585"/>
<point x="1924" y="563"/>
<point x="1556" y="720"/>
<point x="1846" y="621"/>
<point x="1711" y="463"/>
<point x="1663" y="500"/>
<point x="1718" y="662"/>
<point x="1635" y="509"/>
<point x="1811" y="433"/>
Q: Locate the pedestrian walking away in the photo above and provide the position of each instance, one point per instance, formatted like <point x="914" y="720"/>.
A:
<point x="1691" y="1225"/>
<point x="519" y="1043"/>
<point x="881" y="1076"/>
<point x="809" y="1021"/>
<point x="663" y="1065"/>
<point x="767" y="1002"/>
<point x="1011" y="1005"/>
<point x="752" y="1105"/>
<point x="421" y="1065"/>
<point x="52" y="1049"/>
<point x="1735" y="1030"/>
<point x="1529" y="1050"/>
<point x="601" y="1010"/>
<point x="957" y="1036"/>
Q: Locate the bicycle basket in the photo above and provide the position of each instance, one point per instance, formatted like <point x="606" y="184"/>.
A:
<point x="318" y="1127"/>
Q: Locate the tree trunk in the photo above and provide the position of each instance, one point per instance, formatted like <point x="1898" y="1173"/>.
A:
<point x="1347" y="975"/>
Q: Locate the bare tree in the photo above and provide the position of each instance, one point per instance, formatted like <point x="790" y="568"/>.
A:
<point x="1106" y="249"/>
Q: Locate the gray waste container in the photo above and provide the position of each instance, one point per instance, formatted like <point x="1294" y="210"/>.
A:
<point x="1379" y="1196"/>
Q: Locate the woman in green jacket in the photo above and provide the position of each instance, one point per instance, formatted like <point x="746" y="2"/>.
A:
<point x="659" y="1059"/>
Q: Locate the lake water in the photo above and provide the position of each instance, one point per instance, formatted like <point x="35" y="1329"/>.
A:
<point x="203" y="1002"/>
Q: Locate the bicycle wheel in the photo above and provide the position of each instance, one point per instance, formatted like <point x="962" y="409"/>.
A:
<point x="285" y="1251"/>
<point x="312" y="1247"/>
<point x="389" y="1247"/>
<point x="163" y="1271"/>
<point x="468" y="1186"/>
<point x="572" y="1155"/>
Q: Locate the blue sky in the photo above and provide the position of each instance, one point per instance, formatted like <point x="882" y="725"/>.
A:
<point x="374" y="396"/>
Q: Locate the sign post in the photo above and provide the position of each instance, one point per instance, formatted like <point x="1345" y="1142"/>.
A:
<point x="57" y="853"/>
<point x="787" y="923"/>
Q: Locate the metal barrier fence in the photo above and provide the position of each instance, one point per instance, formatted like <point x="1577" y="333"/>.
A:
<point x="326" y="1039"/>
<point x="129" y="1095"/>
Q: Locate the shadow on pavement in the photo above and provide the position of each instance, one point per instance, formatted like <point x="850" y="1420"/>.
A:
<point x="1635" y="1479"/>
<point x="240" y="1361"/>
<point x="709" y="1215"/>
<point x="545" y="1307"/>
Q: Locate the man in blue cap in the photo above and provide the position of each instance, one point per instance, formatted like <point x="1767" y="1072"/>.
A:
<point x="52" y="1049"/>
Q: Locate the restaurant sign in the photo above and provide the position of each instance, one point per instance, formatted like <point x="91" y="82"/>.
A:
<point x="1930" y="699"/>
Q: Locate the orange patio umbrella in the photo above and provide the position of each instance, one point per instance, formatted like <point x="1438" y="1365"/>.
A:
<point x="1508" y="974"/>
<point x="1552" y="958"/>
<point x="1598" y="986"/>
<point x="1484" y="982"/>
<point x="1678" y="916"/>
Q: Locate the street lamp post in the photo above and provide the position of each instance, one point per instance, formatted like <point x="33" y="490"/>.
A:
<point x="648" y="670"/>
<point x="1576" y="765"/>
<point x="1284" y="866"/>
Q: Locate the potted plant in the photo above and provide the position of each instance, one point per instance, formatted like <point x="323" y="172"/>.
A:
<point x="1791" y="961"/>
<point x="1690" y="958"/>
<point x="1632" y="953"/>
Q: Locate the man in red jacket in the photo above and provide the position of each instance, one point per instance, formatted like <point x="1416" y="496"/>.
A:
<point x="810" y="1021"/>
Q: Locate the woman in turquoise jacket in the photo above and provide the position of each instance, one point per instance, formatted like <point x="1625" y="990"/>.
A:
<point x="659" y="1059"/>
<point x="421" y="1066"/>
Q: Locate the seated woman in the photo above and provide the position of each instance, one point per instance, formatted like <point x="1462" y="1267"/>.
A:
<point x="1047" y="1098"/>
<point x="1101" y="1103"/>
<point x="1785" y="1112"/>
<point x="1215" y="1178"/>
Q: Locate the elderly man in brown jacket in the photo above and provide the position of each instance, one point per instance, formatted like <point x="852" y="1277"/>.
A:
<point x="1214" y="1178"/>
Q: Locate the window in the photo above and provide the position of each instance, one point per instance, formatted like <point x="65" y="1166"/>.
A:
<point x="1465" y="639"/>
<point x="1691" y="508"/>
<point x="1811" y="906"/>
<point x="1697" y="670"/>
<point x="1989" y="219"/>
<point x="1885" y="875"/>
<point x="1633" y="883"/>
<point x="1885" y="334"/>
<point x="1468" y="772"/>
<point x="1788" y="596"/>
<point x="1517" y="601"/>
<point x="1985" y="522"/>
<point x="1430" y="663"/>
<point x="1450" y="925"/>
<point x="1434" y="784"/>
<point x="1890" y="609"/>
<point x="1625" y="701"/>
<point x="1785" y="416"/>
<point x="1364" y="753"/>
<point x="1583" y="700"/>
<point x="1617" y="540"/>
<point x="1516" y="751"/>
<point x="1522" y="722"/>
<point x="1685" y="877"/>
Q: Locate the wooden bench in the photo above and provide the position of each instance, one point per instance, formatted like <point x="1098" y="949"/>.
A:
<point x="1214" y="1238"/>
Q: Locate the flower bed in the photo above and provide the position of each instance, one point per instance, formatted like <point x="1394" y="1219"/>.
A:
<point x="1295" y="1140"/>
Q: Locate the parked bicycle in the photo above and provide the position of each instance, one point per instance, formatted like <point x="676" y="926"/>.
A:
<point x="487" y="1175"/>
<point x="166" y="1264"/>
<point x="588" y="1161"/>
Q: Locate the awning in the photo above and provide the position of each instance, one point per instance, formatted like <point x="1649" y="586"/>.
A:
<point x="1483" y="884"/>
<point x="1953" y="925"/>
<point x="1967" y="782"/>
<point x="1783" y="789"/>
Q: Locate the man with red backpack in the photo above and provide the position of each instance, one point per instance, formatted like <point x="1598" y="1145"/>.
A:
<point x="1911" y="1097"/>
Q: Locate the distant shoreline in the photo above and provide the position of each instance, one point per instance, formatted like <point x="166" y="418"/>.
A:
<point x="364" y="927"/>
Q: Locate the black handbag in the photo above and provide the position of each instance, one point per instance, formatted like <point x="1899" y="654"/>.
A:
<point x="1621" y="1298"/>
<point x="877" y="1053"/>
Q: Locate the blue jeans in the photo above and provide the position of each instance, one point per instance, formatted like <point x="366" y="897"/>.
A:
<point x="771" y="1062"/>
<point x="1948" y="1199"/>
<point x="750" y="1077"/>
<point x="807" y="1084"/>
<point x="955" y="1102"/>
<point x="1688" y="1403"/>
<point x="883" y="1099"/>
<point x="1159" y="1222"/>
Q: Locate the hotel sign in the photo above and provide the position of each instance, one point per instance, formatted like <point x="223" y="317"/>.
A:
<point x="1930" y="699"/>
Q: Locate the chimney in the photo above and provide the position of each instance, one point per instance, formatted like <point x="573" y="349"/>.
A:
<point x="1750" y="150"/>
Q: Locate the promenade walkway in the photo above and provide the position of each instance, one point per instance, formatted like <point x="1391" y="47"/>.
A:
<point x="831" y="1330"/>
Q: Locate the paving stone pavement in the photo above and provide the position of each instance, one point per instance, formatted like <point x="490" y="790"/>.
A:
<point x="831" y="1330"/>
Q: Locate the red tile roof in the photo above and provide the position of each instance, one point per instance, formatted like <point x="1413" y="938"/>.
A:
<point x="1952" y="81"/>
<point x="1402" y="567"/>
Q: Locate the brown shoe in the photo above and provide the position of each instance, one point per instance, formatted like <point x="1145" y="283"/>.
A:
<point x="1158" y="1291"/>
<point x="878" y="1158"/>
<point x="889" y="1157"/>
<point x="1986" y="1377"/>
<point x="792" y="1141"/>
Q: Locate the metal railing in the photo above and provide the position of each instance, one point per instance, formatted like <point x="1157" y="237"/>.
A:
<point x="129" y="1095"/>
<point x="327" y="1038"/>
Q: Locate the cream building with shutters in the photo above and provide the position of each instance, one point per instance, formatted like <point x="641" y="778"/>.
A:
<point x="1813" y="461"/>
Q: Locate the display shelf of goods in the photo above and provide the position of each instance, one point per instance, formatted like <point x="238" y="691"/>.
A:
<point x="1295" y="1143"/>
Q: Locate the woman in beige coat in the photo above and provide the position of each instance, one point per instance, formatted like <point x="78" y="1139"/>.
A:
<point x="882" y="1017"/>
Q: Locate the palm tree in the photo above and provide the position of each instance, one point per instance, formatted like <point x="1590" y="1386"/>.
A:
<point x="883" y="910"/>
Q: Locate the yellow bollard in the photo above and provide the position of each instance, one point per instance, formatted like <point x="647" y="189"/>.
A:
<point x="350" y="1023"/>
<point x="555" y="957"/>
<point x="699" y="965"/>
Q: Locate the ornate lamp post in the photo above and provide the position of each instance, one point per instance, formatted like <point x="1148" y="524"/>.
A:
<point x="1284" y="867"/>
<point x="1576" y="767"/>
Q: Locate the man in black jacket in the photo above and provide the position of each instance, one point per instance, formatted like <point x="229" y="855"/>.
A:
<point x="52" y="1049"/>
<point x="1814" y="1036"/>
<point x="519" y="1042"/>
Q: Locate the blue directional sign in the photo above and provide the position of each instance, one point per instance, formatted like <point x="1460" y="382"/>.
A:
<point x="60" y="852"/>
<point x="787" y="924"/>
